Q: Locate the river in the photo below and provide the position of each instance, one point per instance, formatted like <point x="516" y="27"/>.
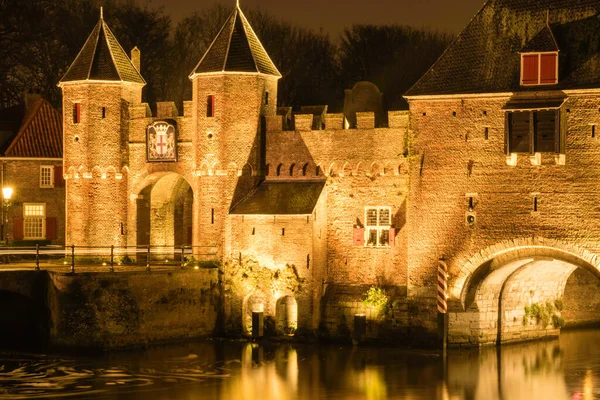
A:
<point x="566" y="368"/>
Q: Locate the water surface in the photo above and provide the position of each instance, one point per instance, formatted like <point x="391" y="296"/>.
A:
<point x="567" y="368"/>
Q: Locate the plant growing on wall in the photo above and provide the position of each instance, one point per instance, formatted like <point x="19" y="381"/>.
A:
<point x="376" y="298"/>
<point x="545" y="313"/>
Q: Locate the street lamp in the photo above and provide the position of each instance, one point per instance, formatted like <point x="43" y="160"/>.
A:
<point x="7" y="193"/>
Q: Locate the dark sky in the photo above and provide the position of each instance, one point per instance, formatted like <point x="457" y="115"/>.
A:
<point x="333" y="15"/>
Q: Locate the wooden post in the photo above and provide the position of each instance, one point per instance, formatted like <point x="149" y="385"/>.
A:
<point x="148" y="259"/>
<point x="72" y="258"/>
<point x="37" y="257"/>
<point x="112" y="258"/>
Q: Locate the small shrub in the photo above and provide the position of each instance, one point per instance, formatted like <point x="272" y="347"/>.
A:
<point x="558" y="321"/>
<point x="558" y="303"/>
<point x="376" y="297"/>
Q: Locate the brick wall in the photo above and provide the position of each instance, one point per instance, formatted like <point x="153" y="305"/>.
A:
<point x="450" y="159"/>
<point x="24" y="177"/>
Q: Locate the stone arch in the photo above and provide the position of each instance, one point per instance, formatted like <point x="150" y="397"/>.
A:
<point x="333" y="169"/>
<point x="98" y="172"/>
<point x="71" y="172"/>
<point x="286" y="315"/>
<point x="305" y="169"/>
<point x="253" y="302"/>
<point x="111" y="171"/>
<point x="376" y="169"/>
<point x="360" y="169"/>
<point x="292" y="169"/>
<point x="279" y="169"/>
<point x="247" y="170"/>
<point x="387" y="169"/>
<point x="204" y="168"/>
<point x="497" y="285"/>
<point x="536" y="246"/>
<point x="346" y="170"/>
<point x="215" y="169"/>
<point x="232" y="169"/>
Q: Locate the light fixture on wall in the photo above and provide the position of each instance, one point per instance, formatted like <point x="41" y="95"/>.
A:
<point x="7" y="193"/>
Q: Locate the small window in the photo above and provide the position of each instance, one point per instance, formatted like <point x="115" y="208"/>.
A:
<point x="378" y="221"/>
<point x="210" y="106"/>
<point x="267" y="98"/>
<point x="76" y="113"/>
<point x="103" y="112"/>
<point x="539" y="69"/>
<point x="46" y="176"/>
<point x="534" y="132"/>
<point x="34" y="218"/>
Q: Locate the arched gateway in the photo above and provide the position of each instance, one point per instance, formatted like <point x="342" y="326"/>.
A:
<point x="169" y="179"/>
<point x="518" y="290"/>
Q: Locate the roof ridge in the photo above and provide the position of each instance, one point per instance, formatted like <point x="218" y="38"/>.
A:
<point x="234" y="16"/>
<point x="29" y="117"/>
<point x="243" y="19"/>
<point x="110" y="50"/>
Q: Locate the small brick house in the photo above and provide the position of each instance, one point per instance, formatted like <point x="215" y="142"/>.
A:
<point x="31" y="165"/>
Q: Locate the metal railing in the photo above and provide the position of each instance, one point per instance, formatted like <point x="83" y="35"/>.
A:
<point x="94" y="257"/>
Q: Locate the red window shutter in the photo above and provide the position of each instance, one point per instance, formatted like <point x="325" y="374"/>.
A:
<point x="18" y="228"/>
<point x="59" y="180"/>
<point x="51" y="228"/>
<point x="359" y="236"/>
<point x="392" y="236"/>
<point x="530" y="69"/>
<point x="548" y="70"/>
<point x="76" y="113"/>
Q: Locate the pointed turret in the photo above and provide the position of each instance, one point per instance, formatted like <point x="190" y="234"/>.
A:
<point x="102" y="59"/>
<point x="236" y="49"/>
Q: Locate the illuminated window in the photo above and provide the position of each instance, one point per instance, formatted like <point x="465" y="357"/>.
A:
<point x="34" y="216"/>
<point x="46" y="176"/>
<point x="378" y="221"/>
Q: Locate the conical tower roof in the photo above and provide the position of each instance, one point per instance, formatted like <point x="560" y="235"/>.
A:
<point x="102" y="59"/>
<point x="236" y="49"/>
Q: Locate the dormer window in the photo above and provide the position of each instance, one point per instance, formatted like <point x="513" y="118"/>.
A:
<point x="539" y="68"/>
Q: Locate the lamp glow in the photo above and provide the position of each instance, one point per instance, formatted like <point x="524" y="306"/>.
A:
<point x="7" y="193"/>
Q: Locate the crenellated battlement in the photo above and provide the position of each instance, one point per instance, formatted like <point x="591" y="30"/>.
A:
<point x="334" y="122"/>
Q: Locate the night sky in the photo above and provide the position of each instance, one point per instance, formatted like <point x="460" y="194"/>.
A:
<point x="333" y="15"/>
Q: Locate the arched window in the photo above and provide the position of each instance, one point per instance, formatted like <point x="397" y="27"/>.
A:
<point x="279" y="169"/>
<point x="292" y="169"/>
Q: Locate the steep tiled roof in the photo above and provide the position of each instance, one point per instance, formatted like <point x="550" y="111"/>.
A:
<point x="40" y="135"/>
<point x="102" y="59"/>
<point x="281" y="198"/>
<point x="236" y="49"/>
<point x="485" y="58"/>
<point x="542" y="42"/>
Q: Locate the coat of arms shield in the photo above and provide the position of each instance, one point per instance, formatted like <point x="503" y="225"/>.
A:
<point x="161" y="142"/>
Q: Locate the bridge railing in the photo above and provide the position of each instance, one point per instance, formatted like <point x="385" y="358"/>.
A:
<point x="102" y="258"/>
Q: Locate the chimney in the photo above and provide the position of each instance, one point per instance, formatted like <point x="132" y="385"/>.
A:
<point x="135" y="58"/>
<point x="30" y="97"/>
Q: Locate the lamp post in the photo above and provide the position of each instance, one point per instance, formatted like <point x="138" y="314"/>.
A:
<point x="7" y="193"/>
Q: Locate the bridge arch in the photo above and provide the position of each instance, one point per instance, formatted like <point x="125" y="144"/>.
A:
<point x="513" y="291"/>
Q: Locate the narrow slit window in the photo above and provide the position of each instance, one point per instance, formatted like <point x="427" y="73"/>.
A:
<point x="307" y="261"/>
<point x="210" y="106"/>
<point x="267" y="98"/>
<point x="212" y="216"/>
<point x="76" y="113"/>
<point x="487" y="133"/>
<point x="535" y="204"/>
<point x="253" y="231"/>
<point x="593" y="131"/>
<point x="103" y="112"/>
<point x="282" y="231"/>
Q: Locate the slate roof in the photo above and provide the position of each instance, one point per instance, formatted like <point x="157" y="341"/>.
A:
<point x="281" y="198"/>
<point x="236" y="49"/>
<point x="544" y="41"/>
<point x="40" y="135"/>
<point x="102" y="59"/>
<point x="485" y="57"/>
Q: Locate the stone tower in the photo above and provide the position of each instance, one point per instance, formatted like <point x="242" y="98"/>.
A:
<point x="234" y="89"/>
<point x="97" y="89"/>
